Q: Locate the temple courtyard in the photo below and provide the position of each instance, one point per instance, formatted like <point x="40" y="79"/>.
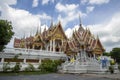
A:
<point x="57" y="76"/>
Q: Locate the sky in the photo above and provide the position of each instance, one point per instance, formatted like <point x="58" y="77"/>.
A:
<point x="102" y="17"/>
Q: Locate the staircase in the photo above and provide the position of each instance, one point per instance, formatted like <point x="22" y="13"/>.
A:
<point x="83" y="64"/>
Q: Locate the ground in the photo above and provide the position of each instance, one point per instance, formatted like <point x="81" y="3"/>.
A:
<point x="54" y="76"/>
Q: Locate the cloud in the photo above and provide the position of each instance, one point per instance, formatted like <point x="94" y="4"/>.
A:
<point x="9" y="2"/>
<point x="68" y="12"/>
<point x="89" y="9"/>
<point x="108" y="32"/>
<point x="45" y="16"/>
<point x="43" y="27"/>
<point x="35" y="3"/>
<point x="66" y="8"/>
<point x="97" y="2"/>
<point x="46" y="1"/>
<point x="23" y="22"/>
<point x="69" y="31"/>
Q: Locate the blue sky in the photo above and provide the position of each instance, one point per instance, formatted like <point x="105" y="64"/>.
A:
<point x="102" y="17"/>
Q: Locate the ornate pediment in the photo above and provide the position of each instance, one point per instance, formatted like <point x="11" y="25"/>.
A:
<point x="58" y="33"/>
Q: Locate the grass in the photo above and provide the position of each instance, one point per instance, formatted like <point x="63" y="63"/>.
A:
<point x="22" y="73"/>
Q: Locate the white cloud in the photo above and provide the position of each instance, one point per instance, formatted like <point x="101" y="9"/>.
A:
<point x="89" y="9"/>
<point x="68" y="12"/>
<point x="9" y="2"/>
<point x="23" y="22"/>
<point x="97" y="2"/>
<point x="47" y="1"/>
<point x="70" y="17"/>
<point x="43" y="27"/>
<point x="69" y="31"/>
<point x="35" y="3"/>
<point x="109" y="32"/>
<point x="84" y="1"/>
<point x="66" y="8"/>
<point x="45" y="16"/>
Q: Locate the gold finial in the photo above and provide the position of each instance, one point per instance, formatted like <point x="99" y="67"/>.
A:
<point x="80" y="20"/>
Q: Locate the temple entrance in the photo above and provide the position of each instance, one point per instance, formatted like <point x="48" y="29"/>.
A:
<point x="37" y="47"/>
<point x="57" y="49"/>
<point x="58" y="44"/>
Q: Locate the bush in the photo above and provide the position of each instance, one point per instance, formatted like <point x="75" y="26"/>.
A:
<point x="30" y="68"/>
<point x="112" y="62"/>
<point x="111" y="69"/>
<point x="16" y="68"/>
<point x="49" y="65"/>
<point x="6" y="67"/>
<point x="119" y="67"/>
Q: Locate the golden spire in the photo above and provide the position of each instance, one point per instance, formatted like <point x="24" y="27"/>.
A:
<point x="37" y="31"/>
<point x="40" y="28"/>
<point x="51" y="23"/>
<point x="80" y="20"/>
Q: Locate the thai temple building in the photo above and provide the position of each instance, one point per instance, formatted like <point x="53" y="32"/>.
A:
<point x="81" y="53"/>
<point x="54" y="39"/>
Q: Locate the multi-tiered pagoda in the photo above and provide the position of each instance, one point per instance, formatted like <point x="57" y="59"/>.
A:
<point x="54" y="39"/>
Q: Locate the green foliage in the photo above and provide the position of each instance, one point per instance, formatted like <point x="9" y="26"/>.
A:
<point x="106" y="54"/>
<point x="6" y="33"/>
<point x="30" y="68"/>
<point x="48" y="65"/>
<point x="6" y="67"/>
<point x="119" y="67"/>
<point x="112" y="62"/>
<point x="111" y="69"/>
<point x="16" y="68"/>
<point x="16" y="56"/>
<point x="115" y="54"/>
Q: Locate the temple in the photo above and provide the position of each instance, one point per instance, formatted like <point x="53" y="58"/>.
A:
<point x="54" y="39"/>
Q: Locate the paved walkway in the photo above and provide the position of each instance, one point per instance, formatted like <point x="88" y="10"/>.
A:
<point x="110" y="76"/>
<point x="53" y="76"/>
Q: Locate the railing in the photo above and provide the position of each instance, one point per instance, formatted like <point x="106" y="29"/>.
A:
<point x="32" y="51"/>
<point x="30" y="54"/>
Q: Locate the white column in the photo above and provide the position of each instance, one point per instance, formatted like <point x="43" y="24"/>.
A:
<point x="50" y="45"/>
<point x="94" y="55"/>
<point x="2" y="60"/>
<point x="53" y="45"/>
<point x="81" y="57"/>
<point x="90" y="56"/>
<point x="39" y="61"/>
<point x="47" y="47"/>
<point x="25" y="60"/>
<point x="62" y="42"/>
<point x="62" y="46"/>
<point x="85" y="55"/>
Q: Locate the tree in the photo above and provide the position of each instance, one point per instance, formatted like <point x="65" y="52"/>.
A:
<point x="6" y="33"/>
<point x="30" y="68"/>
<point x="48" y="65"/>
<point x="6" y="67"/>
<point x="115" y="54"/>
<point x="17" y="67"/>
<point x="106" y="54"/>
